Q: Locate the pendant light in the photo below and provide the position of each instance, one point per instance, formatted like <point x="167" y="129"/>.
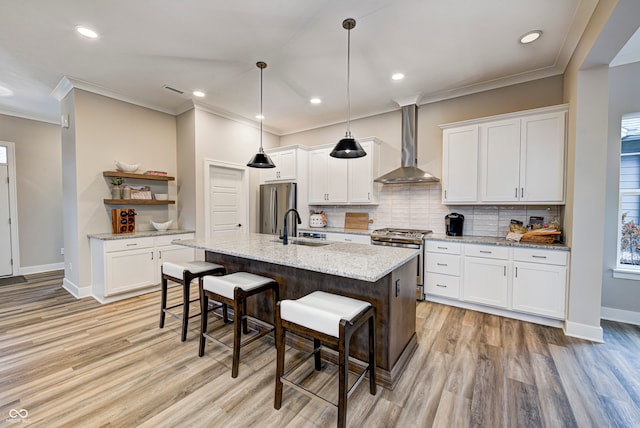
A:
<point x="348" y="147"/>
<point x="261" y="159"/>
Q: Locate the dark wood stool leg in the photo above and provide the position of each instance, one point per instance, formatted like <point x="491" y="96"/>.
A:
<point x="225" y="313"/>
<point x="343" y="372"/>
<point x="163" y="300"/>
<point x="238" y="321"/>
<point x="245" y="325"/>
<point x="280" y="341"/>
<point x="316" y="354"/>
<point x="204" y="303"/>
<point x="275" y="298"/>
<point x="372" y="355"/>
<point x="186" y="285"/>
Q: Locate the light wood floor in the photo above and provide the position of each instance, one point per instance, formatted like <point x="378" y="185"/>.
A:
<point x="76" y="363"/>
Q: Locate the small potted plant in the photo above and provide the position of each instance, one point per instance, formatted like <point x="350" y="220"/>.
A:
<point x="116" y="191"/>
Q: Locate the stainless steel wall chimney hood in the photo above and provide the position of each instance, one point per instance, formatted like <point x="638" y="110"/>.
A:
<point x="409" y="171"/>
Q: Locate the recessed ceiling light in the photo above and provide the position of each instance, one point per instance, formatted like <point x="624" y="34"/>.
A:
<point x="259" y="117"/>
<point x="5" y="92"/>
<point x="531" y="36"/>
<point x="87" y="32"/>
<point x="397" y="76"/>
<point x="198" y="94"/>
<point x="315" y="100"/>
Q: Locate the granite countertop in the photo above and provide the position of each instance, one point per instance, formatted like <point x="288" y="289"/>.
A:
<point x="334" y="230"/>
<point x="488" y="240"/>
<point x="140" y="234"/>
<point x="358" y="261"/>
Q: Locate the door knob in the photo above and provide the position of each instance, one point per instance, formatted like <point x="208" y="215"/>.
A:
<point x="239" y="225"/>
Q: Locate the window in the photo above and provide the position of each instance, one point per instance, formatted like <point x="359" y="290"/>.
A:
<point x="3" y="155"/>
<point x="629" y="201"/>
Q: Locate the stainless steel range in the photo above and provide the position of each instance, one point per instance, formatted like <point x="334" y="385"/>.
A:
<point x="407" y="238"/>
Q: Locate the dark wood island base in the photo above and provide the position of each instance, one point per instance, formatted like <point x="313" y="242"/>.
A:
<point x="393" y="296"/>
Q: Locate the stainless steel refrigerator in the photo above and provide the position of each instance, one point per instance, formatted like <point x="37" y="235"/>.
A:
<point x="275" y="200"/>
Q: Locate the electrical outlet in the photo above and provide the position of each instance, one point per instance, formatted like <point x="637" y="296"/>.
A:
<point x="62" y="251"/>
<point x="397" y="287"/>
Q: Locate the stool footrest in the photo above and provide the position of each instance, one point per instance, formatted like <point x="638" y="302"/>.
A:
<point x="270" y="329"/>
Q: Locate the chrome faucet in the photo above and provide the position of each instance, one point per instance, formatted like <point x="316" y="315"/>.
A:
<point x="284" y="230"/>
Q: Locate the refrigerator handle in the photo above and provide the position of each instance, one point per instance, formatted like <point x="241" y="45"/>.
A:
<point x="274" y="213"/>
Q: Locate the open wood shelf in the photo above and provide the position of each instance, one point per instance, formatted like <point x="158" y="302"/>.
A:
<point x="137" y="202"/>
<point x="138" y="176"/>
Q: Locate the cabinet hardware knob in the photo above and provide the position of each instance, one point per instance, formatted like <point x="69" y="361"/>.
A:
<point x="486" y="252"/>
<point x="516" y="192"/>
<point x="505" y="270"/>
<point x="443" y="248"/>
<point x="441" y="285"/>
<point x="516" y="271"/>
<point x="538" y="257"/>
<point x="522" y="192"/>
<point x="441" y="264"/>
<point x="239" y="225"/>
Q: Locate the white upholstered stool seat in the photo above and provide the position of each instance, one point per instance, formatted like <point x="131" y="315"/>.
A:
<point x="329" y="319"/>
<point x="183" y="273"/>
<point x="233" y="290"/>
<point x="322" y="311"/>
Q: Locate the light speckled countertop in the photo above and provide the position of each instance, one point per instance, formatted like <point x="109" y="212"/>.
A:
<point x="335" y="230"/>
<point x="141" y="234"/>
<point x="358" y="261"/>
<point x="494" y="241"/>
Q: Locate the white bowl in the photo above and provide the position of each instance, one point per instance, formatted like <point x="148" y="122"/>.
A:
<point x="162" y="196"/>
<point x="161" y="226"/>
<point x="125" y="167"/>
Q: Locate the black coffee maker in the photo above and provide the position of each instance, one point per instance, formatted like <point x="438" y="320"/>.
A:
<point x="454" y="224"/>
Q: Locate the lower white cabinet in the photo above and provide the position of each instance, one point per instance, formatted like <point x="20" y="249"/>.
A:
<point x="540" y="284"/>
<point x="126" y="265"/>
<point x="523" y="280"/>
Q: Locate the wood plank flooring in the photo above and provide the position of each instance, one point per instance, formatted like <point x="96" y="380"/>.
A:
<point x="76" y="363"/>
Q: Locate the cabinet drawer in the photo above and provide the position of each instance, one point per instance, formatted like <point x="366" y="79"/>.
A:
<point x="443" y="247"/>
<point x="533" y="255"/>
<point x="349" y="237"/>
<point x="448" y="264"/>
<point x="442" y="285"/>
<point x="486" y="251"/>
<point x="128" y="244"/>
<point x="168" y="239"/>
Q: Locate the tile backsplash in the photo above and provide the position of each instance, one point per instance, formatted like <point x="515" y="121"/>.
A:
<point x="419" y="206"/>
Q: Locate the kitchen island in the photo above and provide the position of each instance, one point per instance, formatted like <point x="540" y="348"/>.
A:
<point x="383" y="276"/>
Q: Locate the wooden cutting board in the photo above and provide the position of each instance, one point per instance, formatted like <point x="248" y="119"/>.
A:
<point x="356" y="221"/>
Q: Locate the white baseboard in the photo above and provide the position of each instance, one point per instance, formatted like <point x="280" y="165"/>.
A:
<point x="41" y="268"/>
<point x="584" y="331"/>
<point x="75" y="291"/>
<point x="620" y="315"/>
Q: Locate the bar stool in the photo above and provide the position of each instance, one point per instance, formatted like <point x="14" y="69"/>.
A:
<point x="184" y="273"/>
<point x="328" y="319"/>
<point x="233" y="290"/>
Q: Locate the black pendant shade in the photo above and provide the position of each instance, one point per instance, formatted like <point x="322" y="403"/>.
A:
<point x="261" y="159"/>
<point x="347" y="148"/>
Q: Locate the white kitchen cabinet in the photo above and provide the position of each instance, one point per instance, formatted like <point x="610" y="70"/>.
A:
<point x="344" y="181"/>
<point x="520" y="160"/>
<point x="460" y="165"/>
<point x="442" y="267"/>
<point x="285" y="161"/>
<point x="486" y="278"/>
<point x="540" y="282"/>
<point x="362" y="172"/>
<point x="127" y="266"/>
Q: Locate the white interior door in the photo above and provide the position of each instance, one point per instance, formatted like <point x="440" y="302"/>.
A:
<point x="5" y="225"/>
<point x="227" y="213"/>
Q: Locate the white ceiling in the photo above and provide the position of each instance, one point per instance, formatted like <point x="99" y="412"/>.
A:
<point x="444" y="48"/>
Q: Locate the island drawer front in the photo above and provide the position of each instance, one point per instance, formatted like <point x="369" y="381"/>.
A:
<point x="486" y="251"/>
<point x="443" y="285"/>
<point x="168" y="239"/>
<point x="443" y="247"/>
<point x="448" y="264"/>
<point x="128" y="244"/>
<point x="533" y="255"/>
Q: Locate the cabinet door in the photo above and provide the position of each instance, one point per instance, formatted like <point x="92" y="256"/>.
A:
<point x="361" y="175"/>
<point x="460" y="165"/>
<point x="129" y="270"/>
<point x="286" y="166"/>
<point x="485" y="281"/>
<point x="540" y="289"/>
<point x="500" y="161"/>
<point x="172" y="253"/>
<point x="318" y="164"/>
<point x="542" y="158"/>
<point x="271" y="174"/>
<point x="337" y="176"/>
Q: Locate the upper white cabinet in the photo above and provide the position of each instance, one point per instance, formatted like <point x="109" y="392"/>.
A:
<point x="286" y="165"/>
<point x="520" y="158"/>
<point x="460" y="165"/>
<point x="344" y="181"/>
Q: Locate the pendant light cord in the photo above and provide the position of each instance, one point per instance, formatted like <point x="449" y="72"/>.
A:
<point x="261" y="115"/>
<point x="348" y="83"/>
